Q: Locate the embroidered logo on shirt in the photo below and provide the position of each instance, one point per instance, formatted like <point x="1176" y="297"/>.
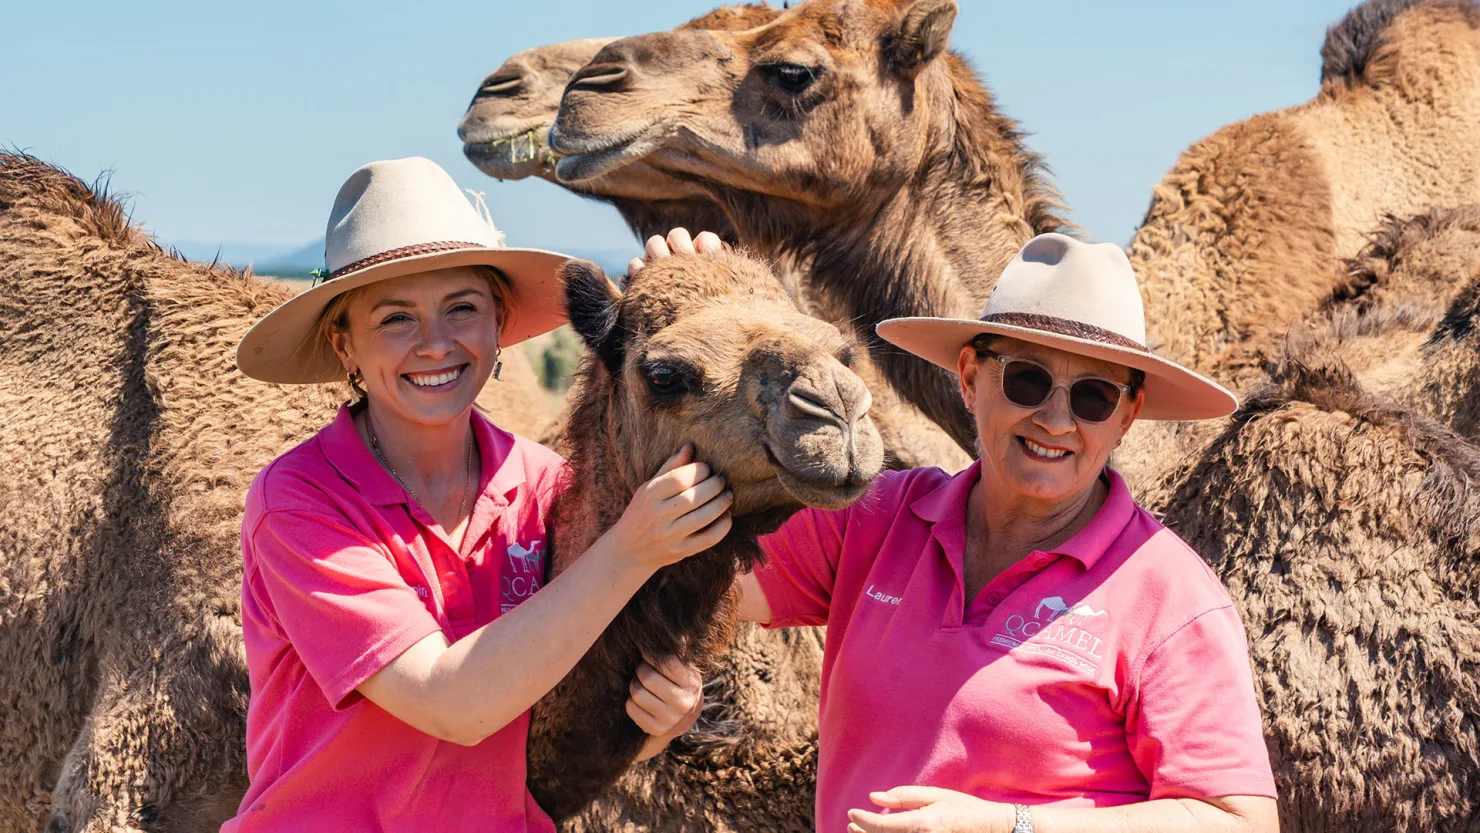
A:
<point x="526" y="571"/>
<point x="881" y="597"/>
<point x="1057" y="629"/>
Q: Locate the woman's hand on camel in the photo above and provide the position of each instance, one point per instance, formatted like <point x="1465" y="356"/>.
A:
<point x="677" y="242"/>
<point x="664" y="700"/>
<point x="931" y="810"/>
<point x="683" y="510"/>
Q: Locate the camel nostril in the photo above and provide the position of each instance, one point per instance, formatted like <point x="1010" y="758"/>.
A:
<point x="598" y="76"/>
<point x="807" y="404"/>
<point x="500" y="85"/>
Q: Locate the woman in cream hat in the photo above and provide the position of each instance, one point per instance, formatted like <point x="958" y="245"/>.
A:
<point x="1020" y="647"/>
<point x="395" y="637"/>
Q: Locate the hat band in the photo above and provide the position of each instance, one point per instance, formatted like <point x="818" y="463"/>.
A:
<point x="1063" y="327"/>
<point x="398" y="254"/>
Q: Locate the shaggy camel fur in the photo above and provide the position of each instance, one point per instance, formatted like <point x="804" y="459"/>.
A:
<point x="1404" y="318"/>
<point x="503" y="133"/>
<point x="128" y="442"/>
<point x="843" y="136"/>
<point x="709" y="349"/>
<point x="1245" y="234"/>
<point x="1345" y="528"/>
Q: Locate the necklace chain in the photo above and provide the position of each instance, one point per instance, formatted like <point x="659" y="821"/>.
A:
<point x="467" y="479"/>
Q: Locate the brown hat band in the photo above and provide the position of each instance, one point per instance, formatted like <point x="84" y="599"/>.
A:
<point x="397" y="254"/>
<point x="1063" y="327"/>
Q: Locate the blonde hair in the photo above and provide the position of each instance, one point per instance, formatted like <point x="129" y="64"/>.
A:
<point x="335" y="317"/>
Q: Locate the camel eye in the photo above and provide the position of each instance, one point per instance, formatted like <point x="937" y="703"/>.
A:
<point x="665" y="379"/>
<point x="792" y="79"/>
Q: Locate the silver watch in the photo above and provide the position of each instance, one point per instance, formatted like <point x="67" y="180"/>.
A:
<point x="1024" y="819"/>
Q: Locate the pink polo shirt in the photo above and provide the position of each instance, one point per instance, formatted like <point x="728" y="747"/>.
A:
<point x="1111" y="671"/>
<point x="343" y="574"/>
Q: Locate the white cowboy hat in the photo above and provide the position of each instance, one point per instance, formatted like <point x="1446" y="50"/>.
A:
<point x="1080" y="298"/>
<point x="389" y="220"/>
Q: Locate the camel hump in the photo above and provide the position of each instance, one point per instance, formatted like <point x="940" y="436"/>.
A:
<point x="1356" y="47"/>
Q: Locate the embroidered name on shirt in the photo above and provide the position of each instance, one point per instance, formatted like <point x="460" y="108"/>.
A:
<point x="526" y="571"/>
<point x="1058" y="630"/>
<point x="882" y="597"/>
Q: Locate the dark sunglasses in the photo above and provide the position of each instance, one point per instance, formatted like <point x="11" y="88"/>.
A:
<point x="1029" y="384"/>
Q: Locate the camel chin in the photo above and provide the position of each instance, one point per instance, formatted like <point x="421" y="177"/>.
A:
<point x="584" y="158"/>
<point x="834" y="489"/>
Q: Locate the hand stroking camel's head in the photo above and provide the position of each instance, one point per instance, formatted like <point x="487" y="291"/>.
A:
<point x="710" y="349"/>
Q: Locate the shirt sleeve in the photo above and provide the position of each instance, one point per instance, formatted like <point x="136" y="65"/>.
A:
<point x="802" y="567"/>
<point x="1193" y="725"/>
<point x="338" y="599"/>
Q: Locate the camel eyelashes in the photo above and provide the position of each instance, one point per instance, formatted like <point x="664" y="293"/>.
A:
<point x="666" y="380"/>
<point x="792" y="79"/>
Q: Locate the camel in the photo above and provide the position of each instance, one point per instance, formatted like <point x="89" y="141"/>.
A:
<point x="1245" y="235"/>
<point x="504" y="130"/>
<point x="842" y="135"/>
<point x="120" y="566"/>
<point x="503" y="134"/>
<point x="1345" y="529"/>
<point x="709" y="348"/>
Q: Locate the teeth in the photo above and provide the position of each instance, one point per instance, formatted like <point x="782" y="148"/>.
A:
<point x="1040" y="450"/>
<point x="431" y="380"/>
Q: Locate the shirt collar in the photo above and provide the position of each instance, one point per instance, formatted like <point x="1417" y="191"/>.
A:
<point x="502" y="461"/>
<point x="948" y="501"/>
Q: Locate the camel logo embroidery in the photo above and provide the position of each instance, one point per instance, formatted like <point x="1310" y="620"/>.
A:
<point x="526" y="571"/>
<point x="1058" y="629"/>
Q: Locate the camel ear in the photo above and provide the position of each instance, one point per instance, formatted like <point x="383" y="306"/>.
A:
<point x="591" y="303"/>
<point x="921" y="36"/>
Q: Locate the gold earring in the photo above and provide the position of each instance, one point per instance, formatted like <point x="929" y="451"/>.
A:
<point x="357" y="392"/>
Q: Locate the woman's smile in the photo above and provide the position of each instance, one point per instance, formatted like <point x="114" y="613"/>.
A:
<point x="436" y="381"/>
<point x="1043" y="453"/>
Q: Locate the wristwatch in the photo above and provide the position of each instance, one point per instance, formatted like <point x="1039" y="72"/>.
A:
<point x="1024" y="819"/>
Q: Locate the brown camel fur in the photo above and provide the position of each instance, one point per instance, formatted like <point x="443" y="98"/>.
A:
<point x="128" y="442"/>
<point x="1245" y="235"/>
<point x="1403" y="320"/>
<point x="843" y="136"/>
<point x="503" y="133"/>
<point x="120" y="566"/>
<point x="709" y="349"/>
<point x="1346" y="529"/>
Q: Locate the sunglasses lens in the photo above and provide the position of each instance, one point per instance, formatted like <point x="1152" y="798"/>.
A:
<point x="1093" y="400"/>
<point x="1026" y="385"/>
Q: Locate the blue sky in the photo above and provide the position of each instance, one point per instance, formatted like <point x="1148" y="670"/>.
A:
<point x="236" y="123"/>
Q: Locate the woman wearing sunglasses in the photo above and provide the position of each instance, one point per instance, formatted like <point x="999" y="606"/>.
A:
<point x="1020" y="648"/>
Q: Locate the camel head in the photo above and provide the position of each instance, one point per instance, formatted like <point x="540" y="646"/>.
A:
<point x="504" y="130"/>
<point x="710" y="349"/>
<point x="831" y="99"/>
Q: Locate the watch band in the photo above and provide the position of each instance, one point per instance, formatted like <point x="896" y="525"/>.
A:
<point x="1024" y="819"/>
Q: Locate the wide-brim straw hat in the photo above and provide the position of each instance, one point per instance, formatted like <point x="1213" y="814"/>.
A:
<point x="1080" y="298"/>
<point x="392" y="219"/>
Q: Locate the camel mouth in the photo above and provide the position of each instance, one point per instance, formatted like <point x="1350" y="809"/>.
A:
<point x="516" y="155"/>
<point x="820" y="492"/>
<point x="581" y="158"/>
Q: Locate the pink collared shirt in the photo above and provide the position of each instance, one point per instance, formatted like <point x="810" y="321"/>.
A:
<point x="1111" y="671"/>
<point x="343" y="574"/>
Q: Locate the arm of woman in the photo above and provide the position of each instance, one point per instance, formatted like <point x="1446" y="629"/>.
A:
<point x="463" y="692"/>
<point x="932" y="810"/>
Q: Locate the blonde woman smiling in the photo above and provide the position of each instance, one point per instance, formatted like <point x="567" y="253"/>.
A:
<point x="396" y="628"/>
